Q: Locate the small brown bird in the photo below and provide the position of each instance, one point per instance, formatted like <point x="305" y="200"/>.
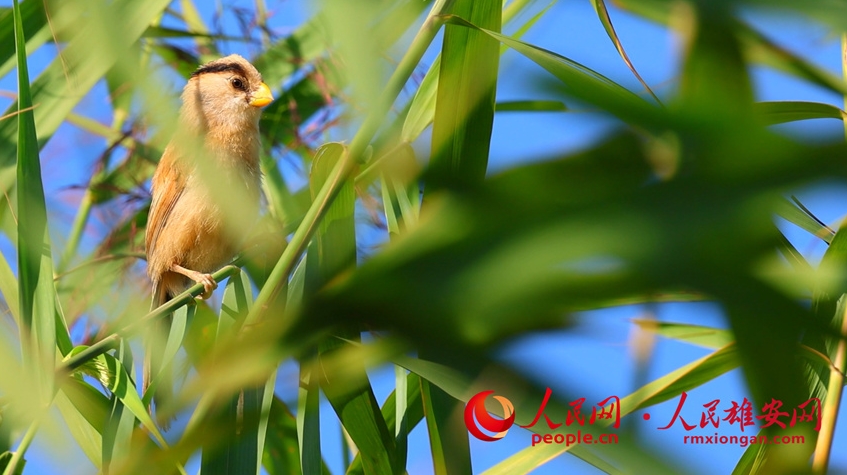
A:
<point x="206" y="187"/>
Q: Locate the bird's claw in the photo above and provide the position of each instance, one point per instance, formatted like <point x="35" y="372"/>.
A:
<point x="206" y="280"/>
<point x="209" y="286"/>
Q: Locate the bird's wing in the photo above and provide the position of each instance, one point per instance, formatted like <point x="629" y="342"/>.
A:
<point x="168" y="185"/>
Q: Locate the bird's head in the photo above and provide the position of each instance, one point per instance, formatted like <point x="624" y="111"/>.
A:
<point x="227" y="92"/>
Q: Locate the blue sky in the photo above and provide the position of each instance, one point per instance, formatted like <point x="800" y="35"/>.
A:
<point x="593" y="359"/>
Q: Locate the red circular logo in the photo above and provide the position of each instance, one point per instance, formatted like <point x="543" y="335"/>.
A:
<point x="476" y="407"/>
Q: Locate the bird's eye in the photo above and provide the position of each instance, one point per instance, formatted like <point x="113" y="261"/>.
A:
<point x="238" y="84"/>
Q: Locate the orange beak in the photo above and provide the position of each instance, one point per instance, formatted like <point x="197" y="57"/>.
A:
<point x="262" y="96"/>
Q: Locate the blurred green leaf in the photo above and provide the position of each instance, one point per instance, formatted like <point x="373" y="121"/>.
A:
<point x="525" y="462"/>
<point x="795" y="213"/>
<point x="832" y="351"/>
<point x="89" y="403"/>
<point x="182" y="61"/>
<point x="422" y="109"/>
<point x="829" y="305"/>
<point x="715" y="82"/>
<point x="69" y="77"/>
<point x="401" y="201"/>
<point x="34" y="27"/>
<point x="464" y="105"/>
<point x="36" y="292"/>
<point x="439" y="306"/>
<point x="412" y="415"/>
<point x="333" y="249"/>
<point x="757" y="47"/>
<point x="581" y="81"/>
<point x="791" y="111"/>
<point x="346" y="386"/>
<point x="717" y="88"/>
<point x="461" y="140"/>
<point x="402" y="207"/>
<point x="5" y="458"/>
<point x="707" y="337"/>
<point x="530" y="106"/>
<point x="85" y="433"/>
<point x="120" y="422"/>
<point x="164" y="32"/>
<point x="308" y="43"/>
<point x="263" y="398"/>
<point x="238" y="455"/>
<point x="111" y="373"/>
<point x="282" y="205"/>
<point x="246" y="412"/>
<point x="348" y="390"/>
<point x="448" y="435"/>
<point x="422" y="106"/>
<point x="794" y="257"/>
<point x="191" y="17"/>
<point x="281" y="446"/>
<point x="238" y="298"/>
<point x="606" y="20"/>
<point x="295" y="106"/>
<point x="507" y="228"/>
<point x="308" y="423"/>
<point x="401" y="429"/>
<point x="165" y="359"/>
<point x="9" y="289"/>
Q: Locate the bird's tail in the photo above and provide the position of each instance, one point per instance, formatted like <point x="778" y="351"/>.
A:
<point x="158" y="375"/>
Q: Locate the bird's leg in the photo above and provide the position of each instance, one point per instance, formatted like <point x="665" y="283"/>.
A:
<point x="209" y="284"/>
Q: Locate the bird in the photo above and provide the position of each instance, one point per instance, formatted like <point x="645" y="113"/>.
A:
<point x="205" y="190"/>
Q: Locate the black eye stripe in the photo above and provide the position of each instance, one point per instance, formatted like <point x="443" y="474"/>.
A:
<point x="219" y="67"/>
